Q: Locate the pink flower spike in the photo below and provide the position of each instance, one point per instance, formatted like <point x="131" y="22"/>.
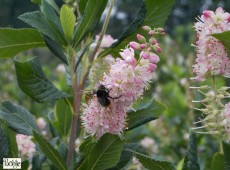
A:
<point x="145" y="55"/>
<point x="143" y="46"/>
<point x="152" y="67"/>
<point x="141" y="38"/>
<point x="134" y="45"/>
<point x="153" y="58"/>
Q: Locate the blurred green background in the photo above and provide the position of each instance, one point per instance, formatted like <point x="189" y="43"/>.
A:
<point x="171" y="86"/>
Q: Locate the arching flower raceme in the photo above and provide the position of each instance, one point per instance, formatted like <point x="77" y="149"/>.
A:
<point x="26" y="147"/>
<point x="212" y="56"/>
<point x="125" y="81"/>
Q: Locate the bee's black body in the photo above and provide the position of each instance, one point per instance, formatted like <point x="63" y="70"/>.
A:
<point x="102" y="94"/>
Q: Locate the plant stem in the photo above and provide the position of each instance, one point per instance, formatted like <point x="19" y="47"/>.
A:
<point x="214" y="89"/>
<point x="221" y="147"/>
<point x="103" y="30"/>
<point x="77" y="90"/>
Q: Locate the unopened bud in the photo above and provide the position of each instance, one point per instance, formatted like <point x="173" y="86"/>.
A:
<point x="153" y="41"/>
<point x="146" y="28"/>
<point x="141" y="38"/>
<point x="224" y="88"/>
<point x="153" y="58"/>
<point x="207" y="13"/>
<point x="143" y="46"/>
<point x="134" y="45"/>
<point x="152" y="67"/>
<point x="145" y="55"/>
<point x="151" y="33"/>
<point x="157" y="48"/>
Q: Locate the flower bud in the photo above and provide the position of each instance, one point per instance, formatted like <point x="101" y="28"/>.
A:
<point x="207" y="13"/>
<point x="146" y="28"/>
<point x="130" y="60"/>
<point x="157" y="48"/>
<point x="134" y="45"/>
<point x="151" y="33"/>
<point x="143" y="46"/>
<point x="153" y="58"/>
<point x="152" y="67"/>
<point x="141" y="38"/>
<point x="145" y="55"/>
<point x="153" y="41"/>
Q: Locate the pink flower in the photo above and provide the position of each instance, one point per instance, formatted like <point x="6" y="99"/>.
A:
<point x="107" y="40"/>
<point x="212" y="56"/>
<point x="26" y="147"/>
<point x="125" y="81"/>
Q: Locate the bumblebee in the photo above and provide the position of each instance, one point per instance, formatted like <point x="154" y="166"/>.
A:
<point x="102" y="94"/>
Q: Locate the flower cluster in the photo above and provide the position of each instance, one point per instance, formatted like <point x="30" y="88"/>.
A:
<point x="217" y="120"/>
<point x="26" y="147"/>
<point x="125" y="82"/>
<point x="212" y="56"/>
<point x="212" y="59"/>
<point x="100" y="65"/>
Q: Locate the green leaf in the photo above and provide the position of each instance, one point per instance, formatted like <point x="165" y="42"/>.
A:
<point x="14" y="41"/>
<point x="68" y="20"/>
<point x="126" y="156"/>
<point x="36" y="1"/>
<point x="4" y="145"/>
<point x="184" y="166"/>
<point x="51" y="13"/>
<point x="191" y="162"/>
<point x="152" y="164"/>
<point x="37" y="20"/>
<point x="50" y="152"/>
<point x="53" y="131"/>
<point x="82" y="5"/>
<point x="226" y="148"/>
<point x="85" y="148"/>
<point x="218" y="162"/>
<point x="151" y="111"/>
<point x="89" y="20"/>
<point x="63" y="117"/>
<point x="55" y="48"/>
<point x="155" y="16"/>
<point x="63" y="150"/>
<point x="224" y="37"/>
<point x="13" y="147"/>
<point x="33" y="81"/>
<point x="105" y="153"/>
<point x="25" y="164"/>
<point x="18" y="118"/>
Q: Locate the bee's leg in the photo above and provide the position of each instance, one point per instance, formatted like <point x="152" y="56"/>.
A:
<point x="114" y="97"/>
